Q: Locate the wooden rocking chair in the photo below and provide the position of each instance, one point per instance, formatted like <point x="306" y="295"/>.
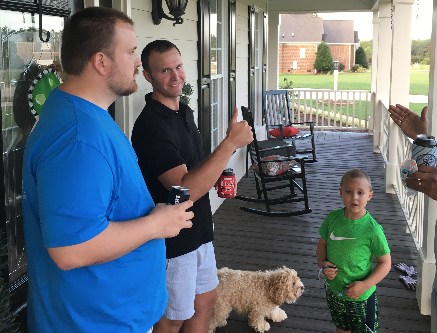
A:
<point x="266" y="163"/>
<point x="277" y="113"/>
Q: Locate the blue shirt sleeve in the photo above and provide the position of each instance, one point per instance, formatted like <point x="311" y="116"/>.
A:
<point x="75" y="192"/>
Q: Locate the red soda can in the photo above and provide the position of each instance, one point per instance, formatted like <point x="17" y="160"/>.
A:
<point x="177" y="195"/>
<point x="226" y="184"/>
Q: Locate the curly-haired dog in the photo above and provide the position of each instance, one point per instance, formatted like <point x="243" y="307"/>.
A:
<point x="259" y="294"/>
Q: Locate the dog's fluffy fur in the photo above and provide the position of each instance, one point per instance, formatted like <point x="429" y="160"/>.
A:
<point x="259" y="294"/>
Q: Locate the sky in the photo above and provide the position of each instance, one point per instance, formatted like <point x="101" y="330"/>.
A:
<point x="421" y="23"/>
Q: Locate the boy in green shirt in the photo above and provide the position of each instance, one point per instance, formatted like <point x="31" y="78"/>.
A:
<point x="350" y="238"/>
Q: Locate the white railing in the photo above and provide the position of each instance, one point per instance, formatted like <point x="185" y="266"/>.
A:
<point x="331" y="109"/>
<point x="412" y="206"/>
<point x="385" y="130"/>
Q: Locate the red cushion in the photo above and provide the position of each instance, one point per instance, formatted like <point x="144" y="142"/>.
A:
<point x="287" y="131"/>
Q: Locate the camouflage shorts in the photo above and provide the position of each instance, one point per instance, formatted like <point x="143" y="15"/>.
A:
<point x="354" y="316"/>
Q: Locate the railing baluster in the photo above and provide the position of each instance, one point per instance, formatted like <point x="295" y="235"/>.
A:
<point x="298" y="106"/>
<point x="366" y="119"/>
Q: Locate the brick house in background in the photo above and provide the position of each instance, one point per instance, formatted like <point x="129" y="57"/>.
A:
<point x="300" y="35"/>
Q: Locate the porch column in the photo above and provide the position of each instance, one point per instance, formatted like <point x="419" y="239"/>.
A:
<point x="384" y="66"/>
<point x="374" y="72"/>
<point x="428" y="261"/>
<point x="400" y="80"/>
<point x="124" y="105"/>
<point x="273" y="52"/>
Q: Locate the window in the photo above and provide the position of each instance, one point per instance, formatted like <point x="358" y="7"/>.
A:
<point x="219" y="105"/>
<point x="302" y="53"/>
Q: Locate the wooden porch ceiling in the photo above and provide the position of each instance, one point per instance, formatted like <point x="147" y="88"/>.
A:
<point x="252" y="242"/>
<point x="316" y="6"/>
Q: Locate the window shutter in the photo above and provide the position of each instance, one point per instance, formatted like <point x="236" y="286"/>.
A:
<point x="232" y="57"/>
<point x="264" y="85"/>
<point x="204" y="70"/>
<point x="251" y="58"/>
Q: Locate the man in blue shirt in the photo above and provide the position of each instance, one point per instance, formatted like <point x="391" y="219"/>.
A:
<point x="94" y="238"/>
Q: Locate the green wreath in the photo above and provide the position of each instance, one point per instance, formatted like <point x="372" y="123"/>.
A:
<point x="40" y="89"/>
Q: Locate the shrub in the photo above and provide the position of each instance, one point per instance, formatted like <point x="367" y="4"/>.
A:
<point x="341" y="67"/>
<point x="361" y="58"/>
<point x="324" y="62"/>
<point x="287" y="84"/>
<point x="355" y="67"/>
<point x="425" y="61"/>
<point x="361" y="69"/>
<point x="187" y="91"/>
<point x="416" y="58"/>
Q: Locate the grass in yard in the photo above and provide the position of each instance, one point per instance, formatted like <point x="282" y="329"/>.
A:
<point x="352" y="111"/>
<point x="417" y="107"/>
<point x="346" y="81"/>
<point x="419" y="81"/>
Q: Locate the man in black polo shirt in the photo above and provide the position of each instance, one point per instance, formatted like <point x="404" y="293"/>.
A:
<point x="169" y="150"/>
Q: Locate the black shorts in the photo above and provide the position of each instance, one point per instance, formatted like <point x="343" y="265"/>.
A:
<point x="354" y="316"/>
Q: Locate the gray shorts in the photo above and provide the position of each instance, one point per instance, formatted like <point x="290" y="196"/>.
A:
<point x="187" y="276"/>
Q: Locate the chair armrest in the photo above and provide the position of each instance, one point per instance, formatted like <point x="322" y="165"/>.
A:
<point x="302" y="123"/>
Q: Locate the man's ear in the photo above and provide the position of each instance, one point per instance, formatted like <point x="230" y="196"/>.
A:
<point x="101" y="63"/>
<point x="147" y="76"/>
<point x="340" y="190"/>
<point x="370" y="195"/>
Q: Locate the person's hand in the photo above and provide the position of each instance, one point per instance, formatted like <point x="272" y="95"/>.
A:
<point x="331" y="271"/>
<point x="355" y="289"/>
<point x="409" y="122"/>
<point x="170" y="219"/>
<point x="239" y="132"/>
<point x="424" y="180"/>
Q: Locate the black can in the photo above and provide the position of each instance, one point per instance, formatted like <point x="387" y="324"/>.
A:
<point x="424" y="140"/>
<point x="178" y="194"/>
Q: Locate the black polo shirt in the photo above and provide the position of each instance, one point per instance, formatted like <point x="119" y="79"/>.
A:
<point x="163" y="139"/>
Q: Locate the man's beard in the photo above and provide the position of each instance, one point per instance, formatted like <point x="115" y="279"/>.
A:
<point x="119" y="88"/>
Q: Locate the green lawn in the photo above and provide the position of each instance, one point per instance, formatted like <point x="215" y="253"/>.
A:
<point x="417" y="107"/>
<point x="419" y="81"/>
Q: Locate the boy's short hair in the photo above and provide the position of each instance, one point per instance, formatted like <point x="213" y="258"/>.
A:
<point x="87" y="32"/>
<point x="356" y="173"/>
<point x="160" y="46"/>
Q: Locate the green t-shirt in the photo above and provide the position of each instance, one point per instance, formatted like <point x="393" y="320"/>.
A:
<point x="352" y="244"/>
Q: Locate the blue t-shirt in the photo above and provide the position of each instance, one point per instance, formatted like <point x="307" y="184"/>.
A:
<point x="79" y="172"/>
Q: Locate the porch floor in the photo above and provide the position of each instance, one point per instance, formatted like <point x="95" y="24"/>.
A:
<point x="252" y="242"/>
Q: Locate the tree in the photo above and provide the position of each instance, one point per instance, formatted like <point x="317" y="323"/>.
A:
<point x="420" y="50"/>
<point x="324" y="62"/>
<point x="360" y="58"/>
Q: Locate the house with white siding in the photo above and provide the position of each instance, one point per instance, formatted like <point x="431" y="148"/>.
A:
<point x="233" y="71"/>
